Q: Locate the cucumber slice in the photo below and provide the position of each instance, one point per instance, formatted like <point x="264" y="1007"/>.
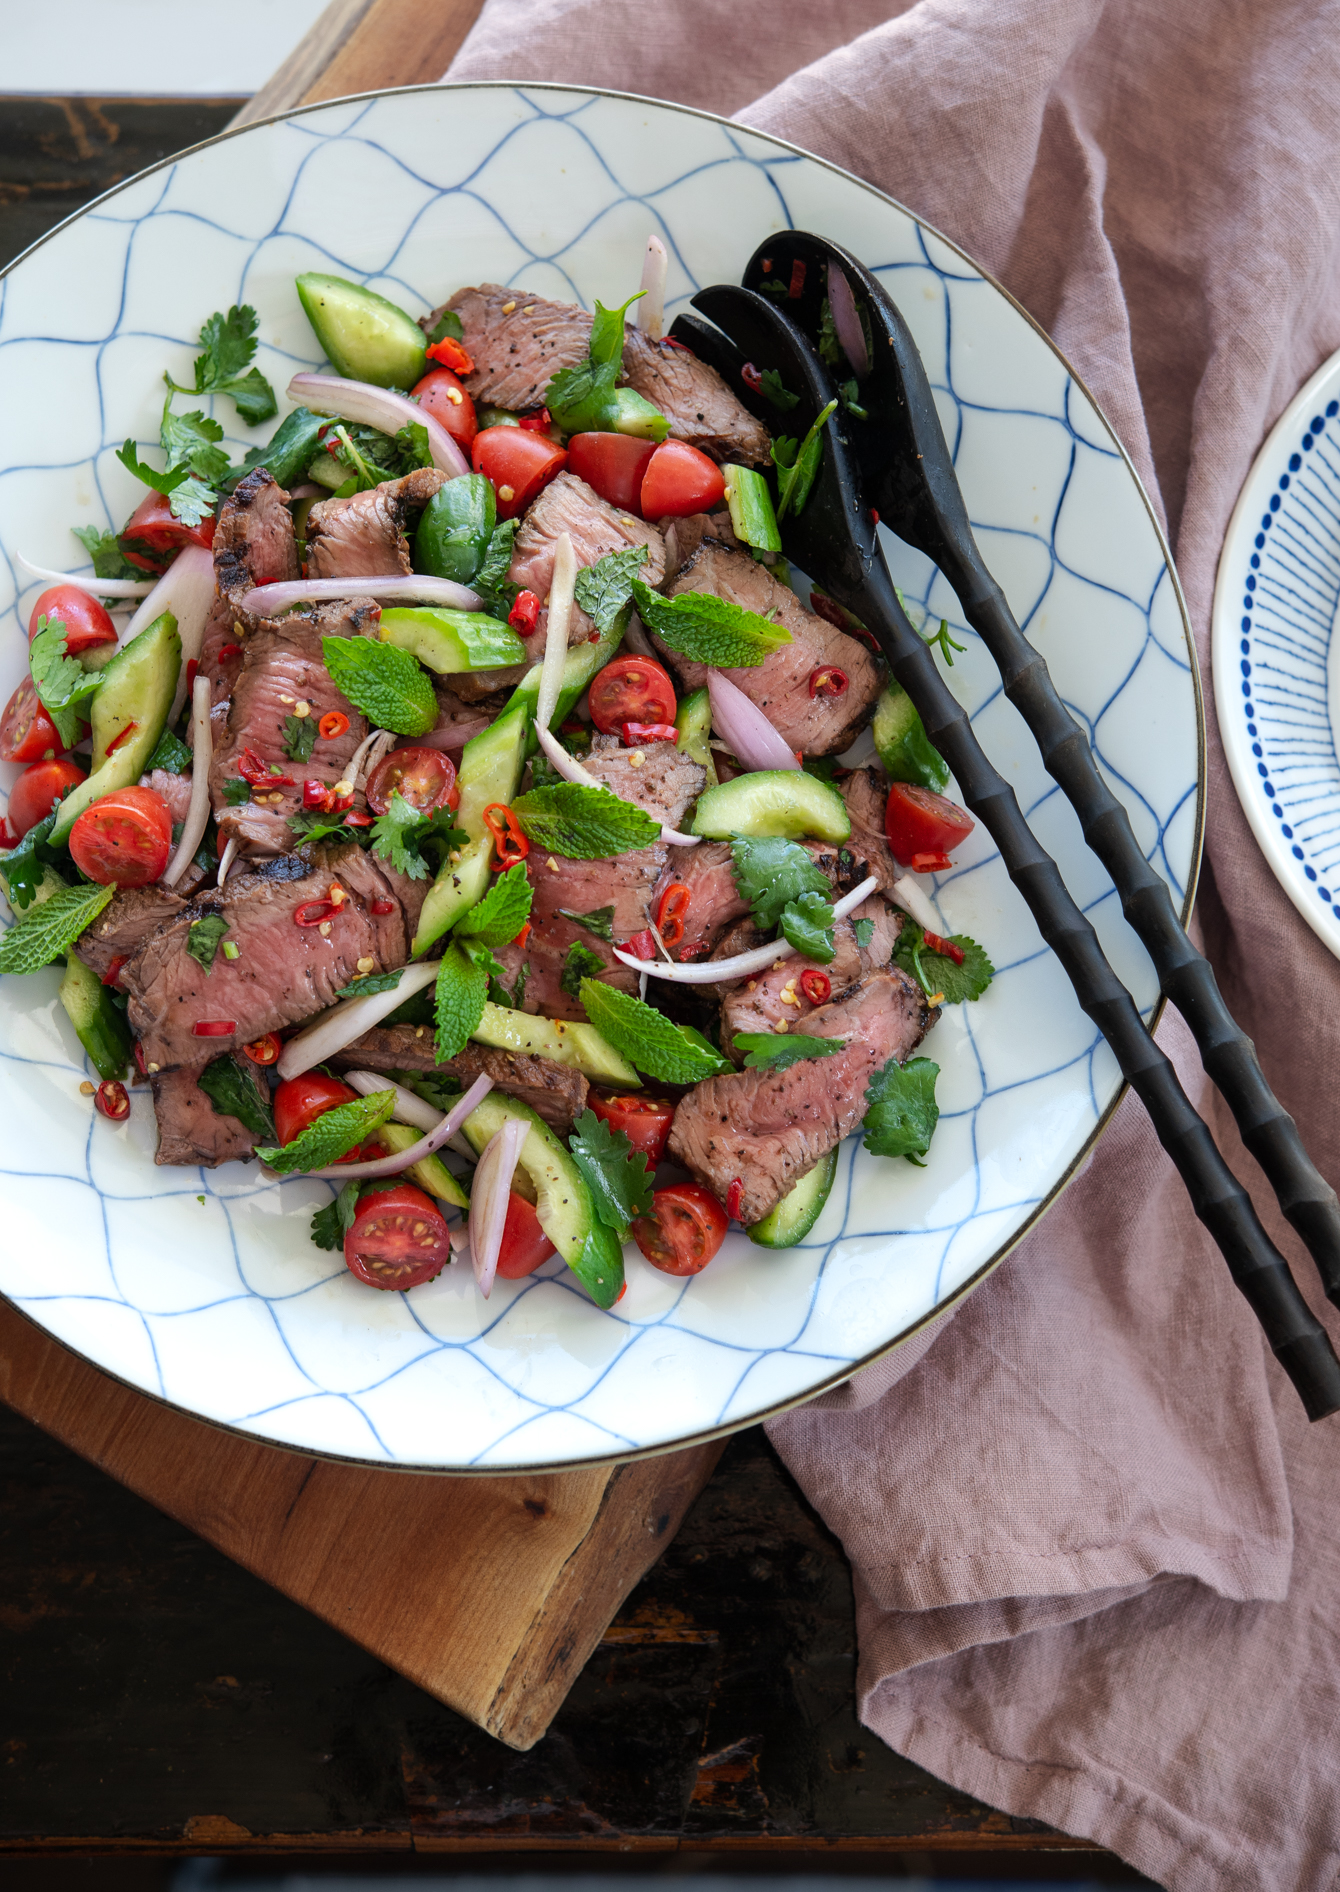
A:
<point x="448" y="641"/>
<point x="694" y="723"/>
<point x="290" y="447"/>
<point x="579" y="666"/>
<point x="430" y="1172"/>
<point x="490" y="771"/>
<point x="366" y="338"/>
<point x="101" y="1025"/>
<point x="751" y="515"/>
<point x="798" y="1211"/>
<point x="562" y="1199"/>
<point x="455" y="528"/>
<point x="137" y="687"/>
<point x="564" y="1040"/>
<point x="774" y="801"/>
<point x="902" y="744"/>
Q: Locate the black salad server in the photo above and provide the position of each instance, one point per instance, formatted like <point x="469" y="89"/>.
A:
<point x="908" y="474"/>
<point x="834" y="540"/>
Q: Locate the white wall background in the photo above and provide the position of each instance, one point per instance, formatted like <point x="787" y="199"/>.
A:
<point x="145" y="47"/>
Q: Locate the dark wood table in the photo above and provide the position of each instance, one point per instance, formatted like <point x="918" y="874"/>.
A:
<point x="156" y="1699"/>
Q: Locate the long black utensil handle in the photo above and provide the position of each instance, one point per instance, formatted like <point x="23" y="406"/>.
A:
<point x="1299" y="1341"/>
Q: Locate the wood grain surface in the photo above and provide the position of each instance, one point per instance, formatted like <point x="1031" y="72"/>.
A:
<point x="361" y="45"/>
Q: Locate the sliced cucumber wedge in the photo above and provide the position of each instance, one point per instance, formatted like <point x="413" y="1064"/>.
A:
<point x="450" y="641"/>
<point x="901" y="742"/>
<point x="799" y="1209"/>
<point x="566" y="1041"/>
<point x="774" y="801"/>
<point x="490" y="771"/>
<point x="430" y="1172"/>
<point x="101" y="1025"/>
<point x="366" y="338"/>
<point x="694" y="723"/>
<point x="138" y="686"/>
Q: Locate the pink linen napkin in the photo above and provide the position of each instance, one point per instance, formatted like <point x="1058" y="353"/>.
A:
<point x="1094" y="1540"/>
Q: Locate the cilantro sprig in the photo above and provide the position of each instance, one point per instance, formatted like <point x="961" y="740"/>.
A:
<point x="331" y="1224"/>
<point x="228" y="343"/>
<point x="331" y="1135"/>
<point x="784" y="888"/>
<point x="617" y="1175"/>
<point x="673" y="1054"/>
<point x="586" y="824"/>
<point x="938" y="972"/>
<point x="104" y="548"/>
<point x="707" y="629"/>
<point x="901" y="1111"/>
<point x="62" y="684"/>
<point x="778" y="1051"/>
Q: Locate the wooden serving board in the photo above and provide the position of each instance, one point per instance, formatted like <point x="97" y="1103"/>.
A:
<point x="490" y="1593"/>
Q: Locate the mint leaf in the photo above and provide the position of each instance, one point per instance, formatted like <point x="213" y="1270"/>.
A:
<point x="204" y="937"/>
<point x="309" y="824"/>
<point x="777" y="1051"/>
<point x="458" y="1003"/>
<point x="332" y="1135"/>
<point x="864" y="931"/>
<point x="447" y="324"/>
<point x="171" y="754"/>
<point x="331" y="1224"/>
<point x="709" y="630"/>
<point x="771" y="872"/>
<point x="586" y="824"/>
<point x="188" y="440"/>
<point x="500" y="915"/>
<point x="603" y="589"/>
<point x="673" y="1054"/>
<point x="385" y="683"/>
<point x="579" y="964"/>
<point x="599" y="921"/>
<point x="299" y="734"/>
<point x="374" y="982"/>
<point x="109" y="561"/>
<point x="616" y="1174"/>
<point x="937" y="972"/>
<point x="808" y="924"/>
<point x="490" y="581"/>
<point x="229" y="342"/>
<point x="234" y="1094"/>
<point x="236" y="791"/>
<point x="49" y="930"/>
<point x="775" y="389"/>
<point x="901" y="1111"/>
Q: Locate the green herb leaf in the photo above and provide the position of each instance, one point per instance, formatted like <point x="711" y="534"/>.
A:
<point x="374" y="982"/>
<point x="412" y="440"/>
<point x="24" y="867"/>
<point x="616" y="1174"/>
<point x="171" y="754"/>
<point x="901" y="1111"/>
<point x="604" y="589"/>
<point x="942" y="641"/>
<point x="830" y="348"/>
<point x="234" y="1093"/>
<point x="778" y="1051"/>
<point x="864" y="931"/>
<point x="385" y="683"/>
<point x="309" y="824"/>
<point x="448" y="323"/>
<point x="586" y="824"/>
<point x="771" y="872"/>
<point x="599" y="921"/>
<point x="808" y="925"/>
<point x="389" y="837"/>
<point x="60" y="682"/>
<point x="580" y="963"/>
<point x="500" y="915"/>
<point x="514" y="1000"/>
<point x="937" y="972"/>
<point x="203" y="938"/>
<point x="848" y="393"/>
<point x="188" y="440"/>
<point x="776" y="390"/>
<point x="709" y="630"/>
<point x="458" y="1005"/>
<point x="490" y="581"/>
<point x="189" y="498"/>
<point x="235" y="790"/>
<point x="331" y="1224"/>
<point x="332" y="1135"/>
<point x="674" y="1054"/>
<point x="104" y="548"/>
<point x="229" y="342"/>
<point x="799" y="466"/>
<point x="49" y="930"/>
<point x="436" y="1088"/>
<point x="300" y="734"/>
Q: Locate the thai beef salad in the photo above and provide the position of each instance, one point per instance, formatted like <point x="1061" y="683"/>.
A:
<point x="465" y="781"/>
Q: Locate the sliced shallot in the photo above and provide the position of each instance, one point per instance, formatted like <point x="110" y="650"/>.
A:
<point x="377" y="407"/>
<point x="742" y="965"/>
<point x="349" y="1020"/>
<point x="268" y="601"/>
<point x="752" y="738"/>
<point x="489" y="1193"/>
<point x="651" y="309"/>
<point x="186" y="589"/>
<point x="416" y="1111"/>
<point x="847" y="322"/>
<point x="561" y="588"/>
<point x="426" y="1146"/>
<point x="96" y="587"/>
<point x="910" y="895"/>
<point x="197" y="813"/>
<point x="226" y="859"/>
<point x="455" y="736"/>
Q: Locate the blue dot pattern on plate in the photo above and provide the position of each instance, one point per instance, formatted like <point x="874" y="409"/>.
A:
<point x="202" y="1286"/>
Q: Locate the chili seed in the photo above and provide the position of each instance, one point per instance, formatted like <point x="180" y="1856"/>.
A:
<point x="86" y="1089"/>
<point x="285" y="699"/>
<point x="324" y="929"/>
<point x="343" y="788"/>
<point x="508" y="307"/>
<point x="455" y="396"/>
<point x="366" y="963"/>
<point x="507" y="494"/>
<point x="301" y="709"/>
<point x="151" y="1067"/>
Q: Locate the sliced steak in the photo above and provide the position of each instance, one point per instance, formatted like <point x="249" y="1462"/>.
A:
<point x="714" y="899"/>
<point x="695" y="400"/>
<point x="518" y="342"/>
<point x="254" y="545"/>
<point x="595" y="527"/>
<point x="477" y="688"/>
<point x="865" y="791"/>
<point x="775" y="999"/>
<point x="453" y="710"/>
<point x="175" y="791"/>
<point x="190" y="1130"/>
<point x="555" y="1091"/>
<point x="364" y="536"/>
<point x="767" y="1128"/>
<point x="684" y="536"/>
<point x="135" y="914"/>
<point x="780" y="685"/>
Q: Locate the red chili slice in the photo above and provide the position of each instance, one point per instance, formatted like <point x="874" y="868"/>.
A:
<point x="817" y="986"/>
<point x="734" y="1197"/>
<point x="828" y="680"/>
<point x="121" y="737"/>
<point x="670" y="911"/>
<point x="635" y="733"/>
<point x="382" y="906"/>
<point x="451" y="355"/>
<point x="228" y="651"/>
<point x="265" y="1050"/>
<point x="510" y="845"/>
<point x="945" y="947"/>
<point x="111" y="1100"/>
<point x="524" y="614"/>
<point x="113" y="972"/>
<point x="751" y="377"/>
<point x="315" y="912"/>
<point x="332" y="724"/>
<point x="537" y="423"/>
<point x="642" y="945"/>
<point x="797" y="284"/>
<point x="215" y="1027"/>
<point x="316" y="795"/>
<point x="260" y="774"/>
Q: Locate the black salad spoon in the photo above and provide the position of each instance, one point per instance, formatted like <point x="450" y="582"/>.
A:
<point x="833" y="539"/>
<point x="909" y="475"/>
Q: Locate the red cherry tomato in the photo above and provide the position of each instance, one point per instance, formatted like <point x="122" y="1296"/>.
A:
<point x="27" y="733"/>
<point x="518" y="462"/>
<point x="631" y="690"/>
<point x="613" y="464"/>
<point x="152" y="524"/>
<point x="36" y="792"/>
<point x="299" y="1101"/>
<point x="680" y="480"/>
<point x="922" y="827"/>
<point x="524" y="1243"/>
<point x="441" y="394"/>
<point x="86" y="622"/>
<point x="424" y="777"/>
<point x="645" y="1121"/>
<point x="398" y="1239"/>
<point x="686" y="1229"/>
<point x="123" y="839"/>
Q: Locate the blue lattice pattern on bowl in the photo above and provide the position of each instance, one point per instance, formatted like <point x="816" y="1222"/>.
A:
<point x="201" y="1287"/>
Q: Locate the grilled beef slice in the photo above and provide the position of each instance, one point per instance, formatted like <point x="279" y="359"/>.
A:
<point x="364" y="536"/>
<point x="595" y="527"/>
<point x="865" y="791"/>
<point x="555" y="1091"/>
<point x="767" y="1128"/>
<point x="123" y="927"/>
<point x="190" y="1130"/>
<point x="780" y="685"/>
<point x="775" y="997"/>
<point x="684" y="536"/>
<point x="695" y="400"/>
<point x="253" y="545"/>
<point x="714" y="899"/>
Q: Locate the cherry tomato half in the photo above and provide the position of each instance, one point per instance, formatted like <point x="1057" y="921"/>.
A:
<point x="442" y="395"/>
<point x="686" y="1229"/>
<point x="398" y="1239"/>
<point x="86" y="622"/>
<point x="518" y="462"/>
<point x="123" y="839"/>
<point x="36" y="792"/>
<point x="152" y="524"/>
<point x="922" y="826"/>
<point x="680" y="480"/>
<point x="613" y="464"/>
<point x="27" y="733"/>
<point x="631" y="690"/>
<point x="524" y="1243"/>
<point x="645" y="1121"/>
<point x="299" y="1101"/>
<point x="424" y="777"/>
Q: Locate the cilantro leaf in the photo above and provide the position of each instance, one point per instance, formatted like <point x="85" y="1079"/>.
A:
<point x="674" y="1054"/>
<point x="776" y="390"/>
<point x="864" y="931"/>
<point x="234" y="1093"/>
<point x="937" y="972"/>
<point x="236" y="791"/>
<point x="599" y="921"/>
<point x="459" y="1000"/>
<point x="490" y="581"/>
<point x="579" y="964"/>
<point x="777" y="1051"/>
<point x="374" y="982"/>
<point x="229" y="342"/>
<point x="435" y="1087"/>
<point x="447" y="324"/>
<point x="500" y="915"/>
<point x="109" y="561"/>
<point x="332" y="1135"/>
<point x="331" y="1224"/>
<point x="171" y="754"/>
<point x="586" y="824"/>
<point x="709" y="630"/>
<point x="808" y="924"/>
<point x="203" y="938"/>
<point x="188" y="440"/>
<point x="604" y="589"/>
<point x="387" y="684"/>
<point x="616" y="1174"/>
<point x="299" y="737"/>
<point x="771" y="872"/>
<point x="390" y="841"/>
<point x="49" y="930"/>
<point x="60" y="682"/>
<point x="901" y="1112"/>
<point x="309" y="824"/>
<point x="189" y="498"/>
